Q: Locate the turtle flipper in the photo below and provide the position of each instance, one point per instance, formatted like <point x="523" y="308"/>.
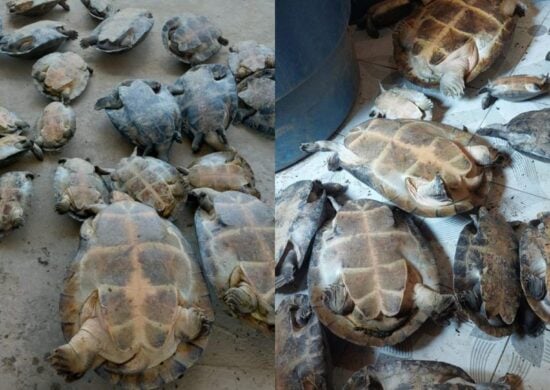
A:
<point x="111" y="102"/>
<point x="337" y="299"/>
<point x="63" y="4"/>
<point x="488" y="101"/>
<point x="191" y="323"/>
<point x="241" y="299"/>
<point x="287" y="270"/>
<point x="536" y="287"/>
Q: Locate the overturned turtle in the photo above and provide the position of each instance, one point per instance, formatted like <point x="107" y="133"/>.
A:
<point x="14" y="146"/>
<point x="448" y="43"/>
<point x="36" y="39"/>
<point x="402" y="103"/>
<point x="10" y="123"/>
<point x="221" y="171"/>
<point x="61" y="76"/>
<point x="56" y="126"/>
<point x="257" y="101"/>
<point x="515" y="88"/>
<point x="208" y="105"/>
<point x="384" y="297"/>
<point x="78" y="188"/>
<point x="121" y="31"/>
<point x="192" y="39"/>
<point x="34" y="7"/>
<point x="150" y="181"/>
<point x="15" y="199"/>
<point x="300" y="350"/>
<point x="99" y="9"/>
<point x="146" y="113"/>
<point x="249" y="57"/>
<point x="426" y="168"/>
<point x="528" y="133"/>
<point x="300" y="209"/>
<point x="236" y="235"/>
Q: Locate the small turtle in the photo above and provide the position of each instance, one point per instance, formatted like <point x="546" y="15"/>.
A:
<point x="380" y="298"/>
<point x="248" y="57"/>
<point x="56" y="126"/>
<point x="150" y="181"/>
<point x="426" y="168"/>
<point x="208" y="105"/>
<point x="384" y="14"/>
<point x="257" y="101"/>
<point x="10" y="123"/>
<point x="221" y="171"/>
<point x="146" y="113"/>
<point x="34" y="7"/>
<point x="61" y="76"/>
<point x="300" y="209"/>
<point x="15" y="199"/>
<point x="99" y="9"/>
<point x="78" y="189"/>
<point x="486" y="273"/>
<point x="402" y="103"/>
<point x="14" y="146"/>
<point x="134" y="306"/>
<point x="121" y="31"/>
<point x="300" y="353"/>
<point x="36" y="39"/>
<point x="448" y="43"/>
<point x="528" y="133"/>
<point x="192" y="39"/>
<point x="515" y="88"/>
<point x="235" y="233"/>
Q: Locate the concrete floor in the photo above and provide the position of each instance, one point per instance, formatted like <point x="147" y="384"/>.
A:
<point x="33" y="259"/>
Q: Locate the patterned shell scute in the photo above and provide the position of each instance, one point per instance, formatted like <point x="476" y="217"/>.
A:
<point x="15" y="197"/>
<point x="257" y="101"/>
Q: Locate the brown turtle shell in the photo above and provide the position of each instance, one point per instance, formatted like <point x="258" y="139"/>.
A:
<point x="15" y="199"/>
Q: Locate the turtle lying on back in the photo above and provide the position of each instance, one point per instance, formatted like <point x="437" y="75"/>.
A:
<point x="15" y="199"/>
<point x="56" y="126"/>
<point x="10" y="123"/>
<point x="14" y="146"/>
<point x="248" y="57"/>
<point x="99" y="9"/>
<point x="402" y="103"/>
<point x="515" y="88"/>
<point x="34" y="7"/>
<point x="257" y="101"/>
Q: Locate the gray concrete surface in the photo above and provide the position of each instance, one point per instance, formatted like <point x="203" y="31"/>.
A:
<point x="33" y="259"/>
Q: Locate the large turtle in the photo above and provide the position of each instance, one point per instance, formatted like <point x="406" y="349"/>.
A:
<point x="34" y="7"/>
<point x="208" y="105"/>
<point x="528" y="133"/>
<point x="56" y="126"/>
<point x="15" y="199"/>
<point x="372" y="279"/>
<point x="14" y="146"/>
<point x="121" y="31"/>
<point x="257" y="101"/>
<point x="426" y="168"/>
<point x="516" y="88"/>
<point x="450" y="42"/>
<point x="99" y="9"/>
<point x="221" y="171"/>
<point x="36" y="39"/>
<point x="300" y="350"/>
<point x="248" y="57"/>
<point x="192" y="39"/>
<point x="236" y="236"/>
<point x="10" y="123"/>
<point x="146" y="113"/>
<point x="134" y="304"/>
<point x="300" y="209"/>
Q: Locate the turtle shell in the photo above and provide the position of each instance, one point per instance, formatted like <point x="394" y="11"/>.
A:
<point x="14" y="146"/>
<point x="236" y="236"/>
<point x="300" y="350"/>
<point x="375" y="299"/>
<point x="98" y="9"/>
<point x="15" y="199"/>
<point x="516" y="88"/>
<point x="248" y="57"/>
<point x="34" y="7"/>
<point x="191" y="39"/>
<point x="257" y="101"/>
<point x="10" y="123"/>
<point x="56" y="126"/>
<point x="136" y="272"/>
<point x="61" y="76"/>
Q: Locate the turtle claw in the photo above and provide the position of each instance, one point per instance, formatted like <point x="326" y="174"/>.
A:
<point x="65" y="361"/>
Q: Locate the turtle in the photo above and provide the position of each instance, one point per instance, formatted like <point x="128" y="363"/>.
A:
<point x="61" y="76"/>
<point x="486" y="273"/>
<point x="99" y="9"/>
<point x="426" y="168"/>
<point x="528" y="133"/>
<point x="78" y="189"/>
<point x="372" y="279"/>
<point x="15" y="199"/>
<point x="56" y="126"/>
<point x="14" y="146"/>
<point x="150" y="181"/>
<point x="134" y="305"/>
<point x="121" y="31"/>
<point x="300" y="348"/>
<point x="421" y="374"/>
<point x="146" y="113"/>
<point x="221" y="171"/>
<point x="34" y="7"/>
<point x="248" y="57"/>
<point x="257" y="101"/>
<point x="300" y="209"/>
<point x="448" y="43"/>
<point x="402" y="103"/>
<point x="36" y="39"/>
<point x="384" y="14"/>
<point x="10" y="123"/>
<point x="236" y="234"/>
<point x="192" y="39"/>
<point x="516" y="88"/>
<point x="208" y="105"/>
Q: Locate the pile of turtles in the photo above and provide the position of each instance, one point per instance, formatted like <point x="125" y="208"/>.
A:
<point x="135" y="305"/>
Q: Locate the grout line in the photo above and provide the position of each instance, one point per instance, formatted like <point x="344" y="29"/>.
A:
<point x="500" y="358"/>
<point x="515" y="189"/>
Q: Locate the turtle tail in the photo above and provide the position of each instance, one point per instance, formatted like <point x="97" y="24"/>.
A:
<point x="494" y="130"/>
